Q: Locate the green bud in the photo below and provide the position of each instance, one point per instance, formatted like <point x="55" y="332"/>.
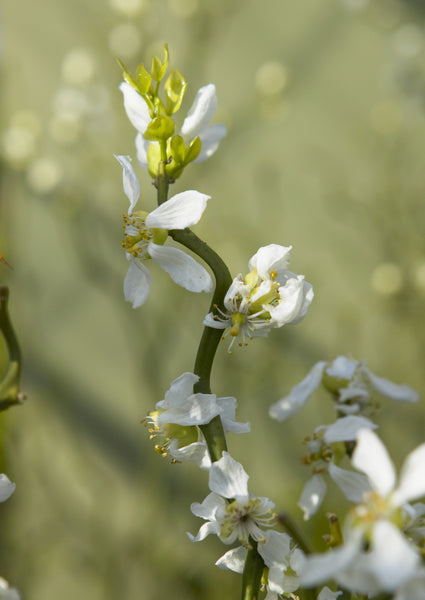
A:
<point x="159" y="68"/>
<point x="143" y="79"/>
<point x="175" y="88"/>
<point x="127" y="75"/>
<point x="193" y="150"/>
<point x="177" y="149"/>
<point x="160" y="128"/>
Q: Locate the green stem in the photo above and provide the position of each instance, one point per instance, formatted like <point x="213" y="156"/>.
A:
<point x="213" y="431"/>
<point x="252" y="573"/>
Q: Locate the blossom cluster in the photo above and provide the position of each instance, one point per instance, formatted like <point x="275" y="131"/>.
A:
<point x="381" y="547"/>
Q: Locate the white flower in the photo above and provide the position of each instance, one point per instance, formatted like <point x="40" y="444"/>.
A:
<point x="145" y="234"/>
<point x="230" y="511"/>
<point x="321" y="457"/>
<point x="283" y="562"/>
<point x="6" y="487"/>
<point x="349" y="381"/>
<point x="7" y="592"/>
<point x="177" y="418"/>
<point x="269" y="296"/>
<point x="195" y="124"/>
<point x="392" y="560"/>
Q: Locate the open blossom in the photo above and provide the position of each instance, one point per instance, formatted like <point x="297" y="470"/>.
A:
<point x="230" y="511"/>
<point x="282" y="559"/>
<point x="392" y="561"/>
<point x="269" y="296"/>
<point x="145" y="235"/>
<point x="351" y="384"/>
<point x="196" y="124"/>
<point x="323" y="448"/>
<point x="176" y="420"/>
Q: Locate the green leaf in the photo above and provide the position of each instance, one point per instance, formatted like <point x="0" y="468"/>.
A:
<point x="159" y="68"/>
<point x="175" y="88"/>
<point x="160" y="128"/>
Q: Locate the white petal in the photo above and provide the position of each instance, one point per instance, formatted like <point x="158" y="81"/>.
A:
<point x="412" y="478"/>
<point x="294" y="302"/>
<point x="346" y="429"/>
<point x="209" y="321"/>
<point x="371" y="457"/>
<point x="6" y="487"/>
<point x="353" y="485"/>
<point x="180" y="211"/>
<point x="227" y="414"/>
<point x="270" y="258"/>
<point x="393" y="559"/>
<point x="299" y="394"/>
<point x="197" y="409"/>
<point x="319" y="568"/>
<point x="209" y="507"/>
<point x="200" y="113"/>
<point x="137" y="284"/>
<point x="228" y="477"/>
<point x="136" y="108"/>
<point x="204" y="531"/>
<point x="180" y="389"/>
<point x="312" y="495"/>
<point x="210" y="139"/>
<point x="142" y="150"/>
<point x="401" y="393"/>
<point x="182" y="268"/>
<point x="275" y="549"/>
<point x="196" y="452"/>
<point x="129" y="180"/>
<point x="234" y="560"/>
<point x="342" y="368"/>
<point x="327" y="594"/>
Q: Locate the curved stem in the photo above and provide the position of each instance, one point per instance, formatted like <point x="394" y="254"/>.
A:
<point x="213" y="431"/>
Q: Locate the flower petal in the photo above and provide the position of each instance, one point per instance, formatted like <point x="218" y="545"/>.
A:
<point x="137" y="283"/>
<point x="312" y="495"/>
<point x="197" y="409"/>
<point x="136" y="108"/>
<point x="371" y="457"/>
<point x="200" y="113"/>
<point x="275" y="550"/>
<point x="129" y="180"/>
<point x="228" y="477"/>
<point x="299" y="394"/>
<point x="182" y="268"/>
<point x="318" y="568"/>
<point x="210" y="139"/>
<point x="353" y="485"/>
<point x="233" y="560"/>
<point x="393" y="559"/>
<point x="345" y="429"/>
<point x="205" y="530"/>
<point x="180" y="211"/>
<point x="270" y="258"/>
<point x="296" y="296"/>
<point x="400" y="393"/>
<point x="180" y="389"/>
<point x="196" y="452"/>
<point x="209" y="321"/>
<point x="227" y="414"/>
<point x="412" y="478"/>
<point x="342" y="368"/>
<point x="6" y="487"/>
<point x="327" y="594"/>
<point x="142" y="150"/>
<point x="208" y="508"/>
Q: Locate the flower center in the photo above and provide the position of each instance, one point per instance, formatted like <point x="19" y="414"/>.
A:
<point x="136" y="235"/>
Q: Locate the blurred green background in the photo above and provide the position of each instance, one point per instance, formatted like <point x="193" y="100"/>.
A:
<point x="325" y="107"/>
